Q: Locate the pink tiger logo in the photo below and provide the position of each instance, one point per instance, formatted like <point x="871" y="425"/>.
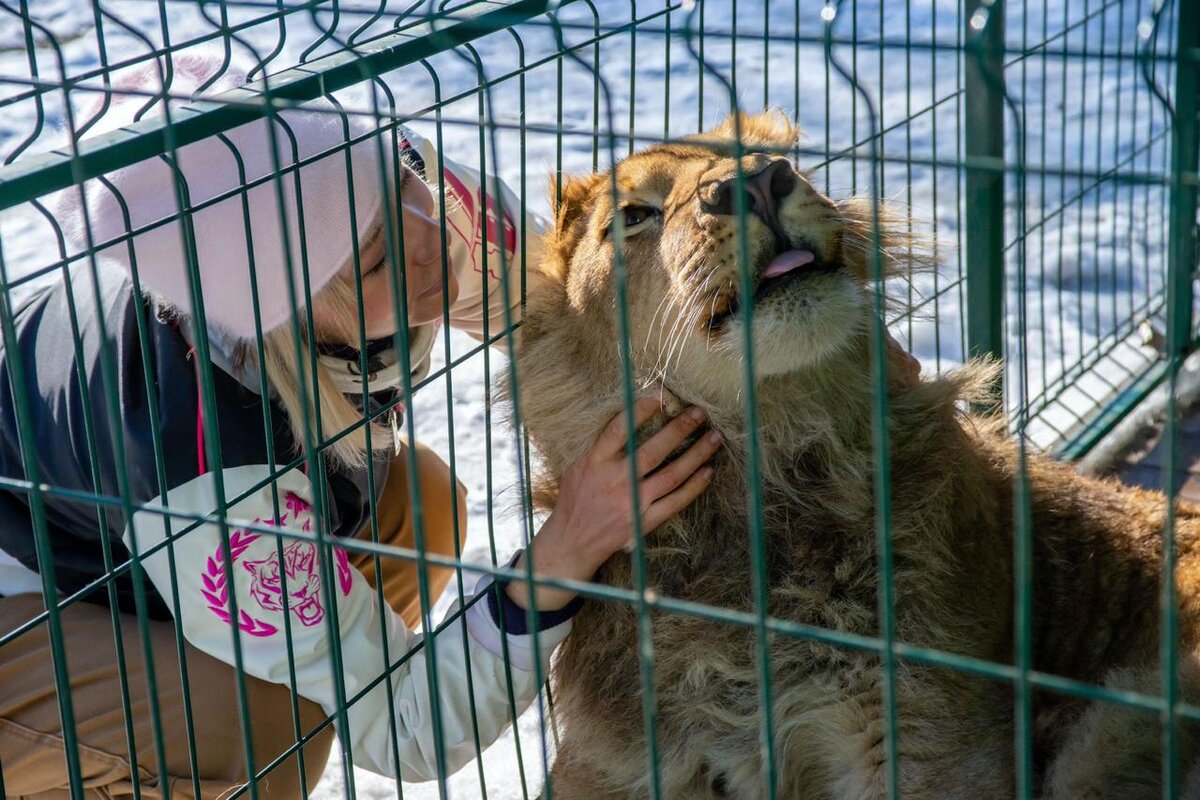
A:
<point x="301" y="569"/>
<point x="299" y="562"/>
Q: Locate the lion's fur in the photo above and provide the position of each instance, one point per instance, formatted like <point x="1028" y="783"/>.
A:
<point x="1096" y="548"/>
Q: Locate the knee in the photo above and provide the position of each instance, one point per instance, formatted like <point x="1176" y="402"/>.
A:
<point x="297" y="774"/>
<point x="435" y="474"/>
<point x="441" y="495"/>
<point x="298" y="743"/>
<point x="284" y="780"/>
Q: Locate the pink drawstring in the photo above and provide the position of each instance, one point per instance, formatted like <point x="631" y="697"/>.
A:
<point x="199" y="415"/>
<point x="200" y="463"/>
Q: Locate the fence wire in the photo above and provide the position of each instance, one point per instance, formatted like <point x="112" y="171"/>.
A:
<point x="1047" y="149"/>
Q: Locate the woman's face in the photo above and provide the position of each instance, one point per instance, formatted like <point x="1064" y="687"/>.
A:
<point x="422" y="269"/>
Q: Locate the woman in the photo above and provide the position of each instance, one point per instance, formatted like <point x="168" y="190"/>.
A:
<point x="114" y="382"/>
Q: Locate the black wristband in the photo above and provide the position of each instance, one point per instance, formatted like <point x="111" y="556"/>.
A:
<point x="515" y="618"/>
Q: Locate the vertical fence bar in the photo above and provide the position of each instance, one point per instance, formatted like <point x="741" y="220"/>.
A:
<point x="19" y="386"/>
<point x="1185" y="141"/>
<point x="1181" y="270"/>
<point x="983" y="136"/>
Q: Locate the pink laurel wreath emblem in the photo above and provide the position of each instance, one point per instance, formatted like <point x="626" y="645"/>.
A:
<point x="300" y="566"/>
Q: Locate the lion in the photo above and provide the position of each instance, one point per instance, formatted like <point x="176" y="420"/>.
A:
<point x="1096" y="545"/>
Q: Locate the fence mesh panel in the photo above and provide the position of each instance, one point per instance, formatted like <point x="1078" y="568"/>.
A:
<point x="1046" y="149"/>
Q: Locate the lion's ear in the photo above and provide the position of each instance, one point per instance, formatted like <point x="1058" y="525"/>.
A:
<point x="570" y="204"/>
<point x="771" y="129"/>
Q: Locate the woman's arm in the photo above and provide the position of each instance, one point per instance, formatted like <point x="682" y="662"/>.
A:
<point x="476" y="227"/>
<point x="261" y="583"/>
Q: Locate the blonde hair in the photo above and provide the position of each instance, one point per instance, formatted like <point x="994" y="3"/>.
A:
<point x="287" y="376"/>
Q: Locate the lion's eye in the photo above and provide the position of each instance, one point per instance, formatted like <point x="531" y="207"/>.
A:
<point x="632" y="217"/>
<point x="636" y="215"/>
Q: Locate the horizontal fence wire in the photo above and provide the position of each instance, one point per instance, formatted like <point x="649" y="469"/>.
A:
<point x="1030" y="143"/>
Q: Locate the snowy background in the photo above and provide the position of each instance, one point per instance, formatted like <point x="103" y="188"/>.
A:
<point x="1094" y="242"/>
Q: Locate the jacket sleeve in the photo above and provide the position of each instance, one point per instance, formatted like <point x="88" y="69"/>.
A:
<point x="475" y="229"/>
<point x="259" y="580"/>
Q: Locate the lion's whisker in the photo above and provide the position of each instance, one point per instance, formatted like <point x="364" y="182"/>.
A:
<point x="693" y="320"/>
<point x="663" y="358"/>
<point x="683" y="322"/>
<point x="650" y="329"/>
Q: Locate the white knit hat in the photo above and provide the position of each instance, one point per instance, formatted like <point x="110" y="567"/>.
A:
<point x="208" y="169"/>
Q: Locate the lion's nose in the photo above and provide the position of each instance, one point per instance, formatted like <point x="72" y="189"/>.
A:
<point x="763" y="191"/>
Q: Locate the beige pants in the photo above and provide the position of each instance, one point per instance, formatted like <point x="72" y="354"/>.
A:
<point x="32" y="752"/>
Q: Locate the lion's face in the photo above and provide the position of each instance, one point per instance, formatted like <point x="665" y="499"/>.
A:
<point x="676" y="212"/>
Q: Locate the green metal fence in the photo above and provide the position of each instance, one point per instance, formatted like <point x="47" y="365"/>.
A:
<point x="1050" y="149"/>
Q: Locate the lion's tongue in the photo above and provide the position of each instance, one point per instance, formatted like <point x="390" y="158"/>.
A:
<point x="787" y="261"/>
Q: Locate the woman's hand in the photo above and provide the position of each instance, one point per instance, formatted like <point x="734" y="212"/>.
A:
<point x="594" y="515"/>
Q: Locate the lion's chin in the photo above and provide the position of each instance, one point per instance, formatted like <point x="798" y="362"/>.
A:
<point x="799" y="329"/>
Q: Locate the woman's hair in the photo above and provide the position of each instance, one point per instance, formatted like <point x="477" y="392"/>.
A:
<point x="287" y="376"/>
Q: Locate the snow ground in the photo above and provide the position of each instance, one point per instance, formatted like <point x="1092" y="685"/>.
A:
<point x="1094" y="266"/>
